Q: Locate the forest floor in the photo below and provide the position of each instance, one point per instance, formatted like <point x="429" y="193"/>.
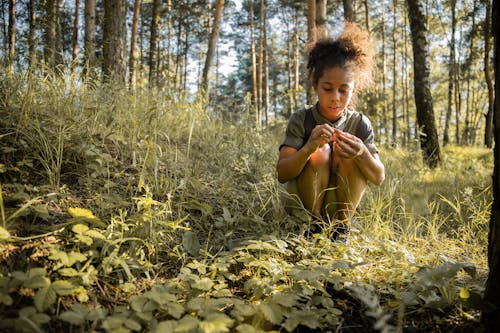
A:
<point x="128" y="213"/>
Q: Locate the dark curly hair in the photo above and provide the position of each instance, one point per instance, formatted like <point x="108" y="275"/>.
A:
<point x="352" y="50"/>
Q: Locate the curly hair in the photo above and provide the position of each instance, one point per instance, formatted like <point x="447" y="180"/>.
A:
<point x="352" y="50"/>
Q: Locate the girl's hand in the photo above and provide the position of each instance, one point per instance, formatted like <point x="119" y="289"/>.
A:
<point x="320" y="135"/>
<point x="348" y="145"/>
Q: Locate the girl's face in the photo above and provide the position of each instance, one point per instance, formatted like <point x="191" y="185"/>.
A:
<point x="334" y="89"/>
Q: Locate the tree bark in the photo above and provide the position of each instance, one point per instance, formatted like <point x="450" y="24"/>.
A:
<point x="31" y="33"/>
<point x="321" y="10"/>
<point x="153" y="42"/>
<point x="133" y="42"/>
<point x="429" y="142"/>
<point x="367" y="15"/>
<point x="74" y="39"/>
<point x="254" y="64"/>
<point x="12" y="34"/>
<point x="50" y="34"/>
<point x="265" y="107"/>
<point x="311" y="38"/>
<point x="491" y="311"/>
<point x="488" y="131"/>
<point x="451" y="74"/>
<point x="348" y="11"/>
<point x="114" y="33"/>
<point x="394" y="74"/>
<point x="89" y="38"/>
<point x="212" y="44"/>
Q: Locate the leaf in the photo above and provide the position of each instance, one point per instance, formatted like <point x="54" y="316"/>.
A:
<point x="286" y="299"/>
<point x="69" y="272"/>
<point x="272" y="312"/>
<point x="132" y="324"/>
<point x="5" y="299"/>
<point x="215" y="323"/>
<point x="37" y="282"/>
<point x="186" y="324"/>
<point x="4" y="234"/>
<point x="45" y="298"/>
<point x="166" y="326"/>
<point x="72" y="317"/>
<point x="79" y="228"/>
<point x="82" y="215"/>
<point x="204" y="284"/>
<point x="464" y="293"/>
<point x="63" y="288"/>
<point x="245" y="328"/>
<point x="85" y="239"/>
<point x="94" y="234"/>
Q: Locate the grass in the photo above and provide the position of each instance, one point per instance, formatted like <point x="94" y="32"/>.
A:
<point x="141" y="212"/>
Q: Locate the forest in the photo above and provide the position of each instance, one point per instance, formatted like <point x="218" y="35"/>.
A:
<point x="138" y="186"/>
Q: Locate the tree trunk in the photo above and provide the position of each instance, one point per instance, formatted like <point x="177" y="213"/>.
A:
<point x="74" y="39"/>
<point x="451" y="75"/>
<point x="212" y="44"/>
<point x="133" y="42"/>
<point x="266" y="64"/>
<point x="50" y="33"/>
<point x="311" y="38"/>
<point x="59" y="54"/>
<point x="5" y="36"/>
<point x="348" y="11"/>
<point x="321" y="8"/>
<point x="12" y="34"/>
<point x="394" y="74"/>
<point x="254" y="64"/>
<point x="491" y="311"/>
<point x="89" y="38"/>
<point x="31" y="34"/>
<point x="467" y="135"/>
<point x="423" y="99"/>
<point x="367" y="15"/>
<point x="114" y="33"/>
<point x="384" y="76"/>
<point x="153" y="43"/>
<point x="488" y="131"/>
<point x="260" y="64"/>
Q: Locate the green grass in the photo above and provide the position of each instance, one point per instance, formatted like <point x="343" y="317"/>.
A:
<point x="140" y="212"/>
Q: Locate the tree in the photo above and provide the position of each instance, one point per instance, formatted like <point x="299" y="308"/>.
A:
<point x="488" y="131"/>
<point x="133" y="41"/>
<point x="491" y="311"/>
<point x="50" y="33"/>
<point x="153" y="43"/>
<point x="429" y="141"/>
<point x="89" y="39"/>
<point x="12" y="34"/>
<point x="113" y="46"/>
<point x="31" y="33"/>
<point x="348" y="11"/>
<point x="74" y="40"/>
<point x="321" y="6"/>
<point x="451" y="73"/>
<point x="212" y="43"/>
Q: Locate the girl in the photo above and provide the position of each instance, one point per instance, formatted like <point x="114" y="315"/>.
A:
<point x="328" y="154"/>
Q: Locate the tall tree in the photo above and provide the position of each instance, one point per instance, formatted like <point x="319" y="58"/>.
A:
<point x="348" y="10"/>
<point x="12" y="34"/>
<point x="488" y="131"/>
<point x="266" y="63"/>
<point x="429" y="141"/>
<point x="133" y="42"/>
<point x="31" y="33"/>
<point x="491" y="311"/>
<point x="254" y="64"/>
<point x="311" y="38"/>
<point x="153" y="43"/>
<point x="212" y="43"/>
<point x="49" y="49"/>
<point x="89" y="38"/>
<point x="321" y="10"/>
<point x="74" y="40"/>
<point x="451" y="73"/>
<point x="394" y="73"/>
<point x="113" y="46"/>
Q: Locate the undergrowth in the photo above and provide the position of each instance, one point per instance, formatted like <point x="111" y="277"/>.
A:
<point x="127" y="212"/>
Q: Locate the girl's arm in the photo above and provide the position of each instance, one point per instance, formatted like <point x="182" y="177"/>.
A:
<point x="352" y="147"/>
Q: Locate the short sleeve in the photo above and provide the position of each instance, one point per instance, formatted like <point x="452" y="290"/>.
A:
<point x="365" y="133"/>
<point x="294" y="135"/>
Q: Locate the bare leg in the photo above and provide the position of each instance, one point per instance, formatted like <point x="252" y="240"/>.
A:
<point x="314" y="179"/>
<point x="350" y="185"/>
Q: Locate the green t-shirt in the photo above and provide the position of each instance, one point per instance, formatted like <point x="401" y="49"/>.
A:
<point x="351" y="122"/>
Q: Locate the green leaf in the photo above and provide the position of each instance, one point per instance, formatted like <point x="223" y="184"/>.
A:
<point x="4" y="234"/>
<point x="186" y="324"/>
<point x="45" y="298"/>
<point x="272" y="312"/>
<point x="80" y="228"/>
<point x="245" y="328"/>
<point x="175" y="310"/>
<point x="215" y="323"/>
<point x="85" y="239"/>
<point x="95" y="234"/>
<point x="63" y="288"/>
<point x="37" y="282"/>
<point x="167" y="326"/>
<point x="69" y="272"/>
<point x="73" y="317"/>
<point x="204" y="284"/>
<point x="132" y="324"/>
<point x="286" y="299"/>
<point x="5" y="299"/>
